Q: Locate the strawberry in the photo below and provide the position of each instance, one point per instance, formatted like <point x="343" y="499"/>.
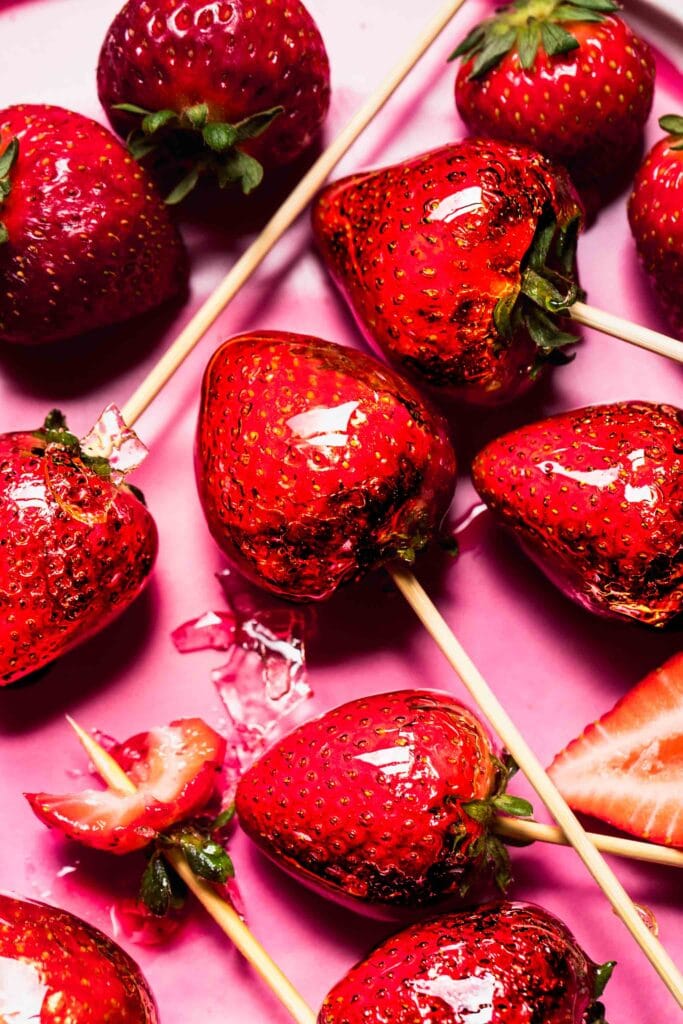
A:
<point x="626" y="768"/>
<point x="85" y="240"/>
<point x="596" y="498"/>
<point x="654" y="213"/>
<point x="385" y="801"/>
<point x="76" y="549"/>
<point x="568" y="77"/>
<point x="223" y="87"/>
<point x="315" y="463"/>
<point x="456" y="262"/>
<point x="502" y="963"/>
<point x="175" y="769"/>
<point x="55" y="968"/>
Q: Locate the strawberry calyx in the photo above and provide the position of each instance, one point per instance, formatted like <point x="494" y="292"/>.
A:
<point x="7" y="161"/>
<point x="490" y="848"/>
<point x="673" y="124"/>
<point x="55" y="432"/>
<point x="603" y="973"/>
<point x="529" y="25"/>
<point x="208" y="147"/>
<point x="546" y="290"/>
<point x="202" y="843"/>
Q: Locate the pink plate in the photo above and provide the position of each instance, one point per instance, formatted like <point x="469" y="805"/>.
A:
<point x="555" y="667"/>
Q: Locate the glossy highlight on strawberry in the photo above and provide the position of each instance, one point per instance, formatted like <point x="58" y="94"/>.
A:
<point x="654" y="213"/>
<point x="595" y="496"/>
<point x="85" y="239"/>
<point x="456" y="264"/>
<point x="315" y="463"/>
<point x="369" y="801"/>
<point x="221" y="87"/>
<point x="570" y="79"/>
<point x="57" y="969"/>
<point x="502" y="963"/>
<point x="75" y="550"/>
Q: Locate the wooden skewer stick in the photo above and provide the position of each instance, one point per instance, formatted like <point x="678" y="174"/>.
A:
<point x="220" y="910"/>
<point x="533" y="831"/>
<point x="617" y="327"/>
<point x="294" y="205"/>
<point x="520" y="750"/>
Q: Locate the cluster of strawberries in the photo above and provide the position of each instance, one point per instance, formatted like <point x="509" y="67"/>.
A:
<point x="316" y="464"/>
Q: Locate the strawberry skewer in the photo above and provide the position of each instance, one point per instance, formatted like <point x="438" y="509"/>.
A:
<point x="220" y="910"/>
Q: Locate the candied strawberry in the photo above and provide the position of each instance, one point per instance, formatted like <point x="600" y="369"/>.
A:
<point x="316" y="463"/>
<point x="223" y="87"/>
<point x="57" y="969"/>
<point x="175" y="769"/>
<point x="654" y="213"/>
<point x="569" y="78"/>
<point x="85" y="239"/>
<point x="503" y="963"/>
<point x="455" y="263"/>
<point x="596" y="498"/>
<point x="75" y="550"/>
<point x="385" y="801"/>
<point x="626" y="767"/>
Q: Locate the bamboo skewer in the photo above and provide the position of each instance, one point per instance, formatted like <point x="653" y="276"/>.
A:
<point x="527" y="831"/>
<point x="294" y="205"/>
<point x="225" y="916"/>
<point x="617" y="327"/>
<point x="503" y="725"/>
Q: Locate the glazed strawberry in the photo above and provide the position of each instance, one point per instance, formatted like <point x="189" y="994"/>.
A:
<point x="654" y="213"/>
<point x="315" y="463"/>
<point x="76" y="547"/>
<point x="626" y="768"/>
<point x="456" y="262"/>
<point x="57" y="969"/>
<point x="85" y="240"/>
<point x="503" y="963"/>
<point x="569" y="78"/>
<point x="596" y="498"/>
<point x="175" y="770"/>
<point x="223" y="87"/>
<point x="386" y="800"/>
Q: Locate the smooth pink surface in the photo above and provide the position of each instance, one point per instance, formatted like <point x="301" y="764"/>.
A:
<point x="555" y="666"/>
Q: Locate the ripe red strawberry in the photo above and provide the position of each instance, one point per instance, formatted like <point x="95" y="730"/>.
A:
<point x="455" y="263"/>
<point x="503" y="963"/>
<point x="626" y="767"/>
<point x="596" y="498"/>
<point x="175" y="769"/>
<point x="386" y="800"/>
<point x="315" y="463"/>
<point x="654" y="213"/>
<point x="85" y="240"/>
<point x="568" y="77"/>
<point x="55" y="968"/>
<point x="76" y="549"/>
<point x="223" y="87"/>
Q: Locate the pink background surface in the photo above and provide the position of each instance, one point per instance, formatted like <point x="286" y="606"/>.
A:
<point x="553" y="665"/>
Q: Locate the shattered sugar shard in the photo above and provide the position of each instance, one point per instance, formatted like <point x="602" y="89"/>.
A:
<point x="212" y="631"/>
<point x="113" y="440"/>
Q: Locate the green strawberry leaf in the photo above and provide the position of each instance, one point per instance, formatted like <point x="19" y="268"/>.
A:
<point x="513" y="805"/>
<point x="206" y="857"/>
<point x="252" y="127"/>
<point x="140" y="145"/>
<point x="495" y="48"/>
<point x="196" y="116"/>
<point x="602" y="976"/>
<point x="671" y="123"/>
<point x="471" y="43"/>
<point x="242" y="168"/>
<point x="545" y="333"/>
<point x="153" y="122"/>
<point x="223" y="819"/>
<point x="528" y="41"/>
<point x="605" y="6"/>
<point x="556" y="40"/>
<point x="219" y="137"/>
<point x="4" y="234"/>
<point x="156" y="891"/>
<point x="8" y="157"/>
<point x="502" y="313"/>
<point x="183" y="188"/>
<point x="131" y="108"/>
<point x="568" y="12"/>
<point x="479" y="810"/>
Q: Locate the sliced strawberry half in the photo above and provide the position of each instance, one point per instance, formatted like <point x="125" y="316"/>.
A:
<point x="627" y="768"/>
<point x="175" y="770"/>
